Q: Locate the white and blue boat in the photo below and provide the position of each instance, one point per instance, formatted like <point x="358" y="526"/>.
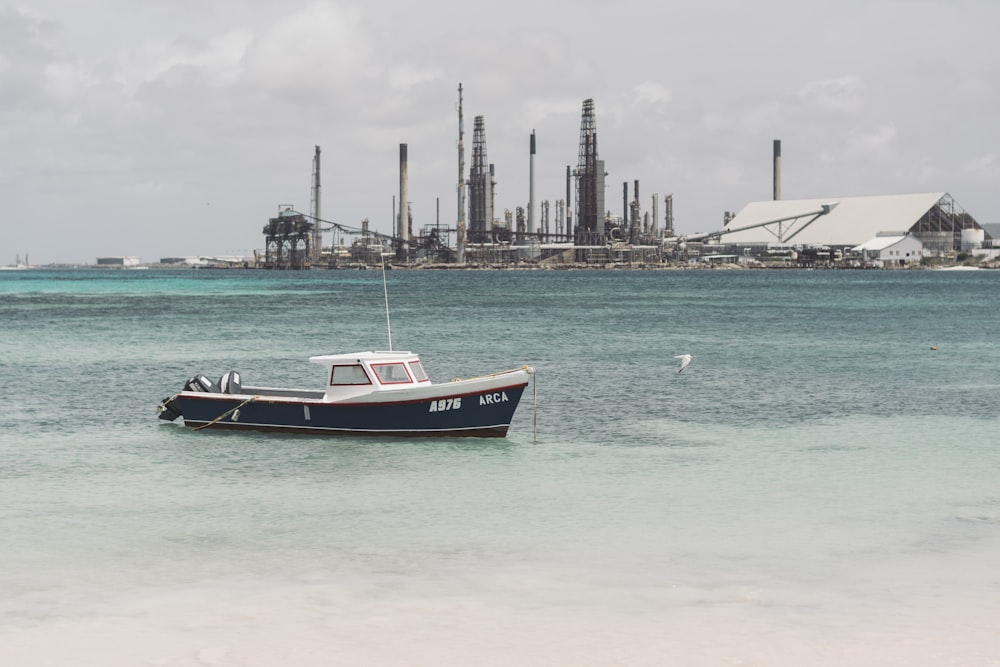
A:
<point x="375" y="393"/>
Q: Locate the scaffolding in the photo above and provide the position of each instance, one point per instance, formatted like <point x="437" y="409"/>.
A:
<point x="589" y="182"/>
<point x="481" y="185"/>
<point x="940" y="228"/>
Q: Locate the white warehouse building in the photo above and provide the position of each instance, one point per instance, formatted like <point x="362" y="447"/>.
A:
<point x="933" y="219"/>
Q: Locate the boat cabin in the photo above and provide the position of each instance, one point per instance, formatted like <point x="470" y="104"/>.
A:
<point x="360" y="373"/>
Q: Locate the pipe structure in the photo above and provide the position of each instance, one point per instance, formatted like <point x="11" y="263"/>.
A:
<point x="813" y="215"/>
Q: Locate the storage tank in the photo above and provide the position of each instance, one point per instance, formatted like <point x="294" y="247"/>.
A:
<point x="972" y="238"/>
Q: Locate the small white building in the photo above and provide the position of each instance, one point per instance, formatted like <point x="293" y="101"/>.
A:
<point x="891" y="249"/>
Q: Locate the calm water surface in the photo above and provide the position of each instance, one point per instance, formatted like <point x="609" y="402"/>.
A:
<point x="819" y="487"/>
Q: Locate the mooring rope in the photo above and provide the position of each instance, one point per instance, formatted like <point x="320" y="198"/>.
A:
<point x="527" y="368"/>
<point x="534" y="405"/>
<point x="226" y="414"/>
<point x="534" y="393"/>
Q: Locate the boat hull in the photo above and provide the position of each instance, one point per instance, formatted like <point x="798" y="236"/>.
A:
<point x="477" y="413"/>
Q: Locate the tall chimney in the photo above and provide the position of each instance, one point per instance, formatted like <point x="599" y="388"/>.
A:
<point x="569" y="215"/>
<point x="460" y="222"/>
<point x="316" y="213"/>
<point x="624" y="206"/>
<point x="777" y="169"/>
<point x="656" y="215"/>
<point x="531" y="186"/>
<point x="402" y="224"/>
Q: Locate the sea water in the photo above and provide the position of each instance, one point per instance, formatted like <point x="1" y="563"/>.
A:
<point x="821" y="486"/>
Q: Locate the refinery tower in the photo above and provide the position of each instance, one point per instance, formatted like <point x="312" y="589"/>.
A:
<point x="589" y="182"/>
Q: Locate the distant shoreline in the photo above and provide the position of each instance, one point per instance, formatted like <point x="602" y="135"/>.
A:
<point x="700" y="266"/>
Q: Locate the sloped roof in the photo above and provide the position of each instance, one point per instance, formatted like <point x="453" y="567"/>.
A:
<point x="880" y="242"/>
<point x="992" y="228"/>
<point x="854" y="220"/>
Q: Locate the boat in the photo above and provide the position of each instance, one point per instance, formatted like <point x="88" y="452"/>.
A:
<point x="384" y="393"/>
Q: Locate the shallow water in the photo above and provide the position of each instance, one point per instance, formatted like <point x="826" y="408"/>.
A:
<point x="819" y="486"/>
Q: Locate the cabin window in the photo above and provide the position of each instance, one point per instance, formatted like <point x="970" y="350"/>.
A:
<point x="391" y="373"/>
<point x="353" y="374"/>
<point x="418" y="371"/>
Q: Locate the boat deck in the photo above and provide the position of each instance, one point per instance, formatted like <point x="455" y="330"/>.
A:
<point x="288" y="393"/>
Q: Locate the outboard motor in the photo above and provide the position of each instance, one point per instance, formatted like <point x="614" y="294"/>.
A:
<point x="229" y="383"/>
<point x="169" y="408"/>
<point x="200" y="383"/>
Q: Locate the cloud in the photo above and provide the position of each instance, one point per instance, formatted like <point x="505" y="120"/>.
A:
<point x="651" y="95"/>
<point x="162" y="106"/>
<point x="217" y="61"/>
<point x="321" y="46"/>
<point x="843" y="95"/>
<point x="27" y="57"/>
<point x="983" y="168"/>
<point x="871" y="145"/>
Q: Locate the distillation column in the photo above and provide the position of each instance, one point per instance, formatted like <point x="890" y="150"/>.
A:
<point x="589" y="182"/>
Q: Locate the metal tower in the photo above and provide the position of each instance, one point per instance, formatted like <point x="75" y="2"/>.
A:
<point x="460" y="223"/>
<point x="589" y="182"/>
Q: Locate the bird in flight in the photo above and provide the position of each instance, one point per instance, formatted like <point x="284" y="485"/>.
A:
<point x="685" y="360"/>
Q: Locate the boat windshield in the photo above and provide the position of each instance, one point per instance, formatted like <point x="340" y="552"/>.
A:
<point x="391" y="373"/>
<point x="418" y="371"/>
<point x="353" y="374"/>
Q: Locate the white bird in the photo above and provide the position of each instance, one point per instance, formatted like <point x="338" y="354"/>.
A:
<point x="685" y="360"/>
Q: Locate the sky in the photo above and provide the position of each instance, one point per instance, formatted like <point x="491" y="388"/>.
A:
<point x="159" y="128"/>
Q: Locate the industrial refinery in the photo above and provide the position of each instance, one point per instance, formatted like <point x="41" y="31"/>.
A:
<point x="581" y="230"/>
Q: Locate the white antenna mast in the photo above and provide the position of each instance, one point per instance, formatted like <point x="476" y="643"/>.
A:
<point x="385" y="291"/>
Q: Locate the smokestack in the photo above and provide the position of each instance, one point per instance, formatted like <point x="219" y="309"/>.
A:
<point x="656" y="214"/>
<point x="777" y="169"/>
<point x="624" y="206"/>
<point x="569" y="215"/>
<point x="316" y="213"/>
<point x="460" y="222"/>
<point x="635" y="199"/>
<point x="636" y="225"/>
<point x="402" y="224"/>
<point x="531" y="186"/>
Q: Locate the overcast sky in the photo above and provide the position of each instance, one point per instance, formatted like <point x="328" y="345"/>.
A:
<point x="178" y="127"/>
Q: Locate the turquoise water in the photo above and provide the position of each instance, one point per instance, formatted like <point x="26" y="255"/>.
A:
<point x="819" y="487"/>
